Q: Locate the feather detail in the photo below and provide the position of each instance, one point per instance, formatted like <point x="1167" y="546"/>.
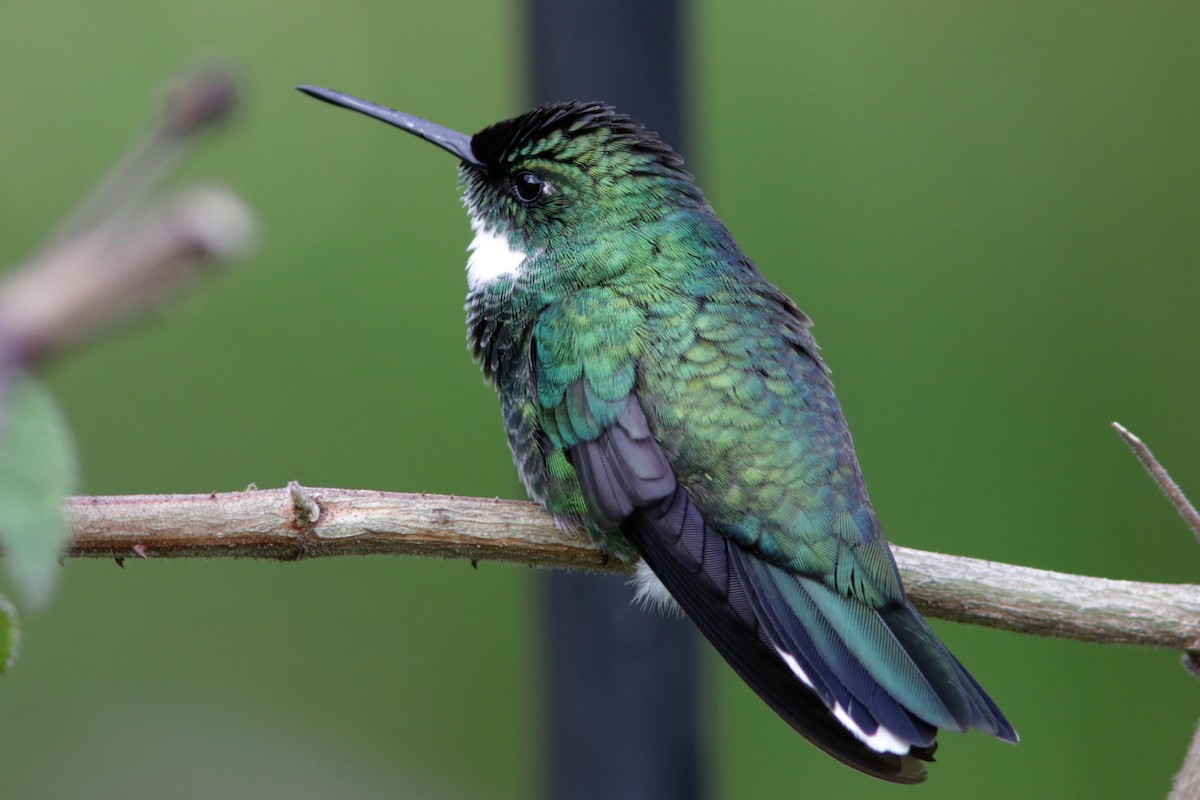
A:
<point x="870" y="686"/>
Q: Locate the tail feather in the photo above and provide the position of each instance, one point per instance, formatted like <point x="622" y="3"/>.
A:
<point x="822" y="659"/>
<point x="869" y="686"/>
<point x="679" y="547"/>
<point x="972" y="706"/>
<point x="902" y="679"/>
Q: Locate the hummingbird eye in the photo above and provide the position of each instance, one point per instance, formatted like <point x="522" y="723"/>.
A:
<point x="529" y="187"/>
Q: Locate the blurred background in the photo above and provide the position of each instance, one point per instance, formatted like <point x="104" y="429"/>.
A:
<point x="991" y="211"/>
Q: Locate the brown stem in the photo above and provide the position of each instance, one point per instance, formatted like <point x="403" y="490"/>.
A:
<point x="1160" y="476"/>
<point x="1187" y="783"/>
<point x="295" y="523"/>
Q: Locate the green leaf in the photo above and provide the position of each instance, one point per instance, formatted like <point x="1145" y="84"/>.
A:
<point x="37" y="472"/>
<point x="10" y="635"/>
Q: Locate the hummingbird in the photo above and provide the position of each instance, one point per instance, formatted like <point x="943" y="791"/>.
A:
<point x="661" y="394"/>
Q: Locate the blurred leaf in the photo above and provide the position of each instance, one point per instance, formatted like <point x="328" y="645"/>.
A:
<point x="10" y="634"/>
<point x="37" y="471"/>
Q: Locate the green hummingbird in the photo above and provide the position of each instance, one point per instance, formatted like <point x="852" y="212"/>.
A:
<point x="661" y="394"/>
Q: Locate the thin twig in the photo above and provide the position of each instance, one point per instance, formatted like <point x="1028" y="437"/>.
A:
<point x="1164" y="480"/>
<point x="280" y="524"/>
<point x="120" y="254"/>
<point x="195" y="102"/>
<point x="1187" y="783"/>
<point x="113" y="275"/>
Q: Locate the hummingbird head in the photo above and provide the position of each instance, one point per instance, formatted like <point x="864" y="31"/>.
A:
<point x="557" y="177"/>
<point x="566" y="172"/>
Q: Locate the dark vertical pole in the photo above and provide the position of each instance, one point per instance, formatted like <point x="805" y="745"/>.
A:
<point x="620" y="716"/>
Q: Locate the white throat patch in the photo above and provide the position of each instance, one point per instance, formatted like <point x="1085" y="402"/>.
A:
<point x="491" y="257"/>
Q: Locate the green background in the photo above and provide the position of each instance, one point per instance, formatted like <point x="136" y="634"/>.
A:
<point x="992" y="211"/>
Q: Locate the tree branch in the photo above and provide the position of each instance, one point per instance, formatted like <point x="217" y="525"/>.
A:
<point x="1187" y="782"/>
<point x="1160" y="476"/>
<point x="294" y="523"/>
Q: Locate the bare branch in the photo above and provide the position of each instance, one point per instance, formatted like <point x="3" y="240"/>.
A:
<point x="1172" y="490"/>
<point x="194" y="103"/>
<point x="117" y="256"/>
<point x="114" y="259"/>
<point x="1048" y="603"/>
<point x="1187" y="783"/>
<point x="113" y="273"/>
<point x="281" y="524"/>
<point x="293" y="523"/>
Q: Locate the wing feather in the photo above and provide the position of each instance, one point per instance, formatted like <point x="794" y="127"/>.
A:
<point x="625" y="476"/>
<point x="849" y="664"/>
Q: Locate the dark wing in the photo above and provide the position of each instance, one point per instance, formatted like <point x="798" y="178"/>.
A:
<point x="625" y="476"/>
<point x="867" y="682"/>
